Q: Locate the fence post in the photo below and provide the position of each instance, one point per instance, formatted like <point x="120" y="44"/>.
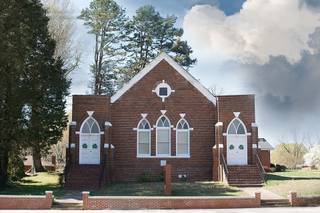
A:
<point x="49" y="199"/>
<point x="292" y="198"/>
<point x="167" y="179"/>
<point x="85" y="197"/>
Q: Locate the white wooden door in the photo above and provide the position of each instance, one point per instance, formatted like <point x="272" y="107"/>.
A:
<point x="89" y="150"/>
<point x="237" y="152"/>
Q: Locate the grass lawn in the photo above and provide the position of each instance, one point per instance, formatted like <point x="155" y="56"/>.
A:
<point x="178" y="189"/>
<point x="305" y="183"/>
<point x="35" y="185"/>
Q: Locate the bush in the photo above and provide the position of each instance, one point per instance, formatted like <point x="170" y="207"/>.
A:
<point x="280" y="168"/>
<point x="15" y="167"/>
<point x="146" y="176"/>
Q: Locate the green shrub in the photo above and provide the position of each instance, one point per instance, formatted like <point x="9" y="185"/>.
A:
<point x="146" y="176"/>
<point x="15" y="167"/>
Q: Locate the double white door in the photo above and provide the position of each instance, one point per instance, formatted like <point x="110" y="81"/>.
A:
<point x="89" y="150"/>
<point x="237" y="151"/>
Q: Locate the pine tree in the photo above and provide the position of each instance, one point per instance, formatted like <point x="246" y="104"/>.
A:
<point x="105" y="19"/>
<point x="147" y="34"/>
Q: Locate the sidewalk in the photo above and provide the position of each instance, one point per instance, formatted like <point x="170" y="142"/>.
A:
<point x="265" y="194"/>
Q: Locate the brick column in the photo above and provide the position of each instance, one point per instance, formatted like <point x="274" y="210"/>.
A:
<point x="85" y="199"/>
<point x="257" y="196"/>
<point x="49" y="199"/>
<point x="72" y="142"/>
<point x="254" y="141"/>
<point x="167" y="179"/>
<point x="216" y="169"/>
<point x="293" y="198"/>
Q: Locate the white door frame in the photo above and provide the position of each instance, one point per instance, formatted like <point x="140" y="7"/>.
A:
<point x="97" y="154"/>
<point x="90" y="131"/>
<point x="237" y="156"/>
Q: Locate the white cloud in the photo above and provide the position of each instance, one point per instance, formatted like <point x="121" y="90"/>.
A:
<point x="261" y="29"/>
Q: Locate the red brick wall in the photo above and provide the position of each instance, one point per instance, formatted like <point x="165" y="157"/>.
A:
<point x="244" y="104"/>
<point x="26" y="202"/>
<point x="113" y="202"/>
<point x="126" y="113"/>
<point x="83" y="103"/>
<point x="303" y="201"/>
<point x="264" y="156"/>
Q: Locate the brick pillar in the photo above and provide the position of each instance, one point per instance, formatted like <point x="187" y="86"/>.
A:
<point x="167" y="179"/>
<point x="85" y="199"/>
<point x="49" y="199"/>
<point x="257" y="196"/>
<point x="293" y="198"/>
<point x="254" y="142"/>
<point x="216" y="151"/>
<point x="72" y="142"/>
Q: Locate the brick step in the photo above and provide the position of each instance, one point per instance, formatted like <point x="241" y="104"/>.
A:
<point x="67" y="205"/>
<point x="246" y="185"/>
<point x="244" y="181"/>
<point x="248" y="179"/>
<point x="82" y="185"/>
<point x="275" y="203"/>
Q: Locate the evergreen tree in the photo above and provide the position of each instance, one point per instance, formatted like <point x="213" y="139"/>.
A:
<point x="147" y="34"/>
<point x="47" y="87"/>
<point x="33" y="85"/>
<point x="15" y="45"/>
<point x="105" y="19"/>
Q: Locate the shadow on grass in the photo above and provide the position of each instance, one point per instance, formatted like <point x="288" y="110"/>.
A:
<point x="178" y="189"/>
<point x="281" y="177"/>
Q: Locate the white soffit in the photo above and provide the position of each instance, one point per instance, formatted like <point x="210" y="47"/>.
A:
<point x="176" y="66"/>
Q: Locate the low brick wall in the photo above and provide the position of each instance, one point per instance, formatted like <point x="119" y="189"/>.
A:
<point x="135" y="202"/>
<point x="26" y="201"/>
<point x="303" y="201"/>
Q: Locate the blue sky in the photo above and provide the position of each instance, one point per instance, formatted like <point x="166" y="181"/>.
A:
<point x="267" y="48"/>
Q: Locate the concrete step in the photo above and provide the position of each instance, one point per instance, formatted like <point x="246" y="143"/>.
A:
<point x="67" y="205"/>
<point x="275" y="203"/>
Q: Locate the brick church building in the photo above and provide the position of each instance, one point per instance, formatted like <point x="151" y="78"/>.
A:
<point x="163" y="116"/>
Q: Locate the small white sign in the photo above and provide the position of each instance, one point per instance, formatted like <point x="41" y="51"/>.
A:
<point x="163" y="162"/>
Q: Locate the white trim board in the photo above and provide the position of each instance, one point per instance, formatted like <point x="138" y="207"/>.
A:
<point x="176" y="66"/>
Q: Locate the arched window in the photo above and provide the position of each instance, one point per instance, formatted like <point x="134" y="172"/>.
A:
<point x="236" y="127"/>
<point x="163" y="137"/>
<point x="90" y="126"/>
<point x="144" y="138"/>
<point x="182" y="138"/>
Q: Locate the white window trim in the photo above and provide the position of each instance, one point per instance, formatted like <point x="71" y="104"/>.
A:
<point x="82" y="124"/>
<point x="165" y="85"/>
<point x="163" y="128"/>
<point x="241" y="122"/>
<point x="183" y="130"/>
<point x="143" y="130"/>
<point x="164" y="157"/>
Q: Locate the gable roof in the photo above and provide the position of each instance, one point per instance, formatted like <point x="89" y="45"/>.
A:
<point x="176" y="66"/>
<point x="263" y="144"/>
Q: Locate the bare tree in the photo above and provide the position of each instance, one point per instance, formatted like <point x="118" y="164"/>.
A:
<point x="290" y="151"/>
<point x="62" y="30"/>
<point x="215" y="90"/>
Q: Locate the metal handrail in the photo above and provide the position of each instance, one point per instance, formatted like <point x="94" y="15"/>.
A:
<point x="260" y="167"/>
<point x="224" y="163"/>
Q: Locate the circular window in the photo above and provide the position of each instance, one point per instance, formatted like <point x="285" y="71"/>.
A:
<point x="84" y="146"/>
<point x="231" y="147"/>
<point x="94" y="146"/>
<point x="163" y="90"/>
<point x="241" y="147"/>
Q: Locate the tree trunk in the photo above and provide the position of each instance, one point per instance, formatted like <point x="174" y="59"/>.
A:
<point x="36" y="157"/>
<point x="3" y="168"/>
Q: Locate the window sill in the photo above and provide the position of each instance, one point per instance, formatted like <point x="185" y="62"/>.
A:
<point x="164" y="156"/>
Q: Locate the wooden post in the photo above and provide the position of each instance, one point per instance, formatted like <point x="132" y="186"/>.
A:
<point x="167" y="179"/>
